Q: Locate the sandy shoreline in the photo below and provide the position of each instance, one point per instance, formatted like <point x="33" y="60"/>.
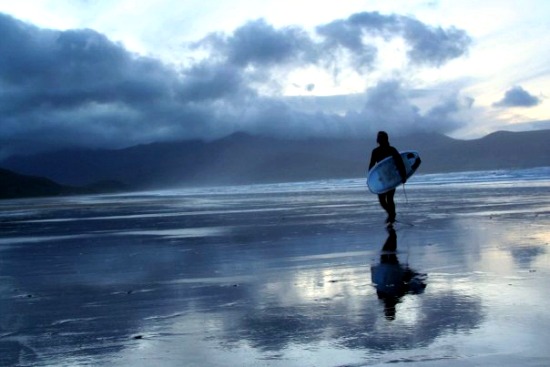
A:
<point x="280" y="278"/>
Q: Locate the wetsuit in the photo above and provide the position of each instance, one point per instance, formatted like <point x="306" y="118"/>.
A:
<point x="386" y="199"/>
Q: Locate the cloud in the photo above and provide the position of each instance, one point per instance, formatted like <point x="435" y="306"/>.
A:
<point x="78" y="88"/>
<point x="517" y="97"/>
<point x="427" y="45"/>
<point x="54" y="72"/>
<point x="58" y="86"/>
<point x="258" y="43"/>
<point x="390" y="106"/>
<point x="206" y="81"/>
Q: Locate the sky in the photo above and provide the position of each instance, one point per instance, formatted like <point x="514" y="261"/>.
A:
<point x="116" y="73"/>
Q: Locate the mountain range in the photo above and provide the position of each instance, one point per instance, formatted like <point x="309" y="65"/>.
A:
<point x="242" y="158"/>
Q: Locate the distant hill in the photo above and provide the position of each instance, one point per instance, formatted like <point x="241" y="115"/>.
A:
<point x="14" y="185"/>
<point x="499" y="150"/>
<point x="242" y="158"/>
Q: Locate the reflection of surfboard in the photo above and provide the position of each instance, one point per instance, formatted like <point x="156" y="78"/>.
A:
<point x="384" y="176"/>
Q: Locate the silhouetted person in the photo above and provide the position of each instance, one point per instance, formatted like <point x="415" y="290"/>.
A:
<point x="392" y="279"/>
<point x="379" y="153"/>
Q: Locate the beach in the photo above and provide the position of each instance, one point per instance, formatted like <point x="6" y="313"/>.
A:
<point x="296" y="274"/>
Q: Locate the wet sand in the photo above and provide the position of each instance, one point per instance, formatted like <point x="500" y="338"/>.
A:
<point x="298" y="275"/>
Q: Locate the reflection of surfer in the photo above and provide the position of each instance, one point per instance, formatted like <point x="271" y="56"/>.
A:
<point x="392" y="279"/>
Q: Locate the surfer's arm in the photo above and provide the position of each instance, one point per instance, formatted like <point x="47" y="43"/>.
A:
<point x="372" y="160"/>
<point x="400" y="165"/>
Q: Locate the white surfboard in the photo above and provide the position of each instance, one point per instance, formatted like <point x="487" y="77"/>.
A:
<point x="384" y="176"/>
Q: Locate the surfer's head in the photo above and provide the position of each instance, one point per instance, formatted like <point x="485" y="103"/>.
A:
<point x="383" y="138"/>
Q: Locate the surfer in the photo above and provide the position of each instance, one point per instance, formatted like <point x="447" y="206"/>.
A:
<point x="385" y="150"/>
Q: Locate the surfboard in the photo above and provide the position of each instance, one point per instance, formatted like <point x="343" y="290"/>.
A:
<point x="384" y="176"/>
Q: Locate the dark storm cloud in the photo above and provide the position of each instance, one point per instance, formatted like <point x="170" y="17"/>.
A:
<point x="517" y="97"/>
<point x="211" y="81"/>
<point x="344" y="35"/>
<point x="258" y="43"/>
<point x="431" y="46"/>
<point x="434" y="46"/>
<point x="65" y="69"/>
<point x="78" y="88"/>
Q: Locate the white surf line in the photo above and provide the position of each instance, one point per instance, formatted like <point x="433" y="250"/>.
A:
<point x="35" y="239"/>
<point x="152" y="215"/>
<point x="331" y="255"/>
<point x="230" y="280"/>
<point x="179" y="232"/>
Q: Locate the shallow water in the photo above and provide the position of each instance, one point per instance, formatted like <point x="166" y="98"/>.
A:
<point x="301" y="274"/>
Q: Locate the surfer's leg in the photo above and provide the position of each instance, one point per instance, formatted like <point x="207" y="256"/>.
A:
<point x="383" y="201"/>
<point x="386" y="200"/>
<point x="390" y="206"/>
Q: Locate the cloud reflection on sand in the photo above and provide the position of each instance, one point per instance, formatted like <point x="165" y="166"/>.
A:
<point x="287" y="283"/>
